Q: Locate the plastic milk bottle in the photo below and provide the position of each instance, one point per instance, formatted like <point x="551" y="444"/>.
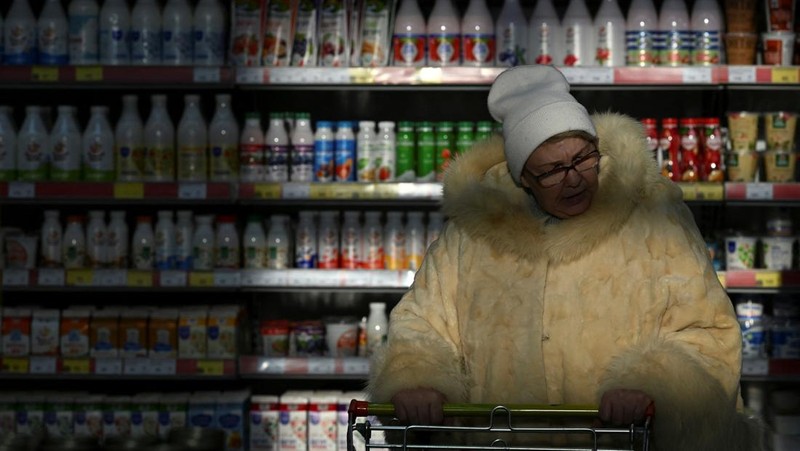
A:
<point x="707" y="25"/>
<point x="545" y="34"/>
<point x="444" y="35"/>
<point x="512" y="35"/>
<point x="609" y="26"/>
<point x="578" y="35"/>
<point x="408" y="43"/>
<point x="675" y="37"/>
<point x="52" y="33"/>
<point x="642" y="24"/>
<point x="477" y="35"/>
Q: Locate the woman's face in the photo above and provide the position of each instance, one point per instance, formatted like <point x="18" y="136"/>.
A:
<point x="573" y="195"/>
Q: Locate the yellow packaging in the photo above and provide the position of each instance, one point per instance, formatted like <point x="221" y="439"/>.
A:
<point x="192" y="333"/>
<point x="104" y="333"/>
<point x="743" y="128"/>
<point x="741" y="166"/>
<point x="780" y="166"/>
<point x="779" y="128"/>
<point x="163" y="333"/>
<point x="222" y="332"/>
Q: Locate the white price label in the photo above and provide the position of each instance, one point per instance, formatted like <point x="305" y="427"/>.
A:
<point x="16" y="277"/>
<point x="755" y="367"/>
<point x="163" y="367"/>
<point x="326" y="278"/>
<point x="250" y="75"/>
<point x="301" y="278"/>
<point x="758" y="191"/>
<point x="43" y="365"/>
<point x="192" y="190"/>
<point x="207" y="74"/>
<point x="227" y="279"/>
<point x="21" y="190"/>
<point x="385" y="279"/>
<point x="108" y="366"/>
<point x="321" y="365"/>
<point x="355" y="366"/>
<point x="110" y="277"/>
<point x="136" y="367"/>
<point x="272" y="366"/>
<point x="599" y="75"/>
<point x="741" y="74"/>
<point x="276" y="278"/>
<point x="51" y="277"/>
<point x="173" y="278"/>
<point x="296" y="190"/>
<point x="572" y="74"/>
<point x="697" y="75"/>
<point x="356" y="278"/>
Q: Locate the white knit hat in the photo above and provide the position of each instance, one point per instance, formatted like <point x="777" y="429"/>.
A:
<point x="534" y="104"/>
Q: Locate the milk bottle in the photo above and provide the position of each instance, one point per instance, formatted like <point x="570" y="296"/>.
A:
<point x="51" y="238"/>
<point x="117" y="256"/>
<point x="323" y="152"/>
<point x="203" y="244"/>
<point x="192" y="142"/>
<point x="251" y="150"/>
<point x="512" y="35"/>
<point x="545" y="34"/>
<point x="350" y="248"/>
<point x="305" y="241"/>
<point x="129" y="141"/>
<point x="328" y="240"/>
<point x="33" y="144"/>
<point x="278" y="242"/>
<point x="302" y="149"/>
<point x="344" y="152"/>
<point x="385" y="152"/>
<point x="146" y="33"/>
<point x="444" y="35"/>
<point x="674" y="34"/>
<point x="377" y="327"/>
<point x="65" y="145"/>
<point x="408" y="42"/>
<point x="254" y="243"/>
<point x="98" y="147"/>
<point x="477" y="35"/>
<point x="176" y="33"/>
<point x="73" y="244"/>
<point x="143" y="244"/>
<point x="159" y="141"/>
<point x="8" y="146"/>
<point x="578" y="35"/>
<point x="609" y="26"/>
<point x="83" y="30"/>
<point x="96" y="236"/>
<point x="372" y="256"/>
<point x="52" y="34"/>
<point x="19" y="35"/>
<point x="164" y="250"/>
<point x="223" y="141"/>
<point x="115" y="27"/>
<point x="642" y="23"/>
<point x="395" y="242"/>
<point x="366" y="149"/>
<point x="209" y="33"/>
<point x="415" y="240"/>
<point x="276" y="149"/>
<point x="707" y="24"/>
<point x="226" y="250"/>
<point x="184" y="231"/>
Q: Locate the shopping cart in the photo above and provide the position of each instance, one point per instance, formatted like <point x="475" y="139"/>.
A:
<point x="497" y="427"/>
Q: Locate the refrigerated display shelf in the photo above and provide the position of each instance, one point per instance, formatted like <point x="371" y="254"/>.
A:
<point x="257" y="367"/>
<point x="98" y="76"/>
<point x="85" y="367"/>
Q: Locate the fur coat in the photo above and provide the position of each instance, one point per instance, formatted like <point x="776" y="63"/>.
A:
<point x="514" y="306"/>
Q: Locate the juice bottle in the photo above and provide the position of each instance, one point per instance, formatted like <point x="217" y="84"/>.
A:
<point x="366" y="147"/>
<point x="669" y="146"/>
<point x="65" y="145"/>
<point x="278" y="242"/>
<point x="713" y="143"/>
<point x="609" y="25"/>
<point x="477" y="35"/>
<point x="19" y="35"/>
<point x="578" y="35"/>
<point x="707" y="25"/>
<point x="159" y="141"/>
<point x="33" y="144"/>
<point x="651" y="136"/>
<point x="405" y="169"/>
<point x="444" y="142"/>
<point x="344" y="152"/>
<point x="115" y="28"/>
<point x="323" y="152"/>
<point x="223" y="141"/>
<point x="415" y="240"/>
<point x="376" y="34"/>
<point x="305" y="241"/>
<point x="176" y="33"/>
<point x="129" y="142"/>
<point x="83" y="31"/>
<point x="642" y="23"/>
<point x="675" y="34"/>
<point x="328" y="240"/>
<point x="426" y="152"/>
<point x="192" y="151"/>
<point x="302" y="149"/>
<point x="8" y="145"/>
<point x="690" y="150"/>
<point x="351" y="241"/>
<point x="372" y="256"/>
<point x="394" y="257"/>
<point x="386" y="152"/>
<point x="545" y="34"/>
<point x="444" y="35"/>
<point x="511" y="30"/>
<point x="52" y="31"/>
<point x="334" y="40"/>
<point x="276" y="149"/>
<point x="252" y="164"/>
<point x="146" y="33"/>
<point x="408" y="42"/>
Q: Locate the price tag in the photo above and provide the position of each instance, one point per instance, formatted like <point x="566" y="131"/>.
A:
<point x="211" y="367"/>
<point x="252" y="75"/>
<point x="741" y="74"/>
<point x="16" y="365"/>
<point x="43" y="365"/>
<point x="355" y="366"/>
<point x="207" y="74"/>
<point x="108" y="366"/>
<point x="573" y="75"/>
<point x="44" y="73"/>
<point x="694" y="75"/>
<point x="758" y="191"/>
<point x="79" y="277"/>
<point x="227" y="279"/>
<point x="110" y="278"/>
<point x="173" y="279"/>
<point x="599" y="75"/>
<point x="76" y="366"/>
<point x="348" y="191"/>
<point x="296" y="191"/>
<point x="163" y="367"/>
<point x="21" y="190"/>
<point x="267" y="190"/>
<point x="356" y="278"/>
<point x="89" y="73"/>
<point x="321" y="191"/>
<point x="50" y="277"/>
<point x="326" y="278"/>
<point x="301" y="278"/>
<point x="136" y="367"/>
<point x="201" y="279"/>
<point x="785" y="75"/>
<point x="138" y="278"/>
<point x="689" y="191"/>
<point x="129" y="190"/>
<point x="321" y="366"/>
<point x="768" y="279"/>
<point x="710" y="191"/>
<point x="192" y="190"/>
<point x="755" y="367"/>
<point x="272" y="366"/>
<point x="274" y="278"/>
<point x="361" y="75"/>
<point x="16" y="277"/>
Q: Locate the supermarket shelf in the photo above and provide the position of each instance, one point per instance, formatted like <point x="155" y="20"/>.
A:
<point x="257" y="367"/>
<point x="84" y="367"/>
<point x="27" y="192"/>
<point x="771" y="370"/>
<point x="98" y="76"/>
<point x="343" y="191"/>
<point x="760" y="279"/>
<point x="702" y="191"/>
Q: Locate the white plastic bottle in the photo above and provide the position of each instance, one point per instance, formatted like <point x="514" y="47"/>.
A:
<point x="377" y="327"/>
<point x="350" y="249"/>
<point x="512" y="35"/>
<point x="177" y="37"/>
<point x="408" y="41"/>
<point x="323" y="152"/>
<point x="328" y="239"/>
<point x="96" y="239"/>
<point x="366" y="148"/>
<point x="642" y="23"/>
<point x="65" y="146"/>
<point x="73" y="250"/>
<point x="115" y="29"/>
<point x="33" y="144"/>
<point x="344" y="152"/>
<point x="434" y="227"/>
<point x="118" y="236"/>
<point x="674" y="34"/>
<point x="386" y="152"/>
<point x="278" y="254"/>
<point x="203" y="243"/>
<point x="223" y="142"/>
<point x="51" y="239"/>
<point x="129" y="141"/>
<point x="159" y="142"/>
<point x="477" y="35"/>
<point x="415" y="240"/>
<point x="184" y="232"/>
<point x="394" y="249"/>
<point x="578" y="35"/>
<point x="52" y="34"/>
<point x="98" y="147"/>
<point x="19" y="34"/>
<point x="209" y="33"/>
<point x="276" y="149"/>
<point x="545" y="34"/>
<point x="226" y="243"/>
<point x="8" y="145"/>
<point x="305" y="241"/>
<point x="143" y="244"/>
<point x="84" y="16"/>
<point x="254" y="243"/>
<point x="192" y="142"/>
<point x="164" y="245"/>
<point x="444" y="35"/>
<point x="372" y="246"/>
<point x="707" y="25"/>
<point x="252" y="165"/>
<point x="146" y="33"/>
<point x="609" y="26"/>
<point x="302" y="149"/>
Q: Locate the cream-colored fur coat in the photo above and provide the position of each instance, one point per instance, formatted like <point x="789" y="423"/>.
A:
<point x="511" y="306"/>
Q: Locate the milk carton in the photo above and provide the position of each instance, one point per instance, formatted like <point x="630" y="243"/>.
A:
<point x="88" y="420"/>
<point x="203" y="410"/>
<point x="8" y="414"/>
<point x="322" y="418"/>
<point x="44" y="332"/>
<point x="144" y="415"/>
<point x="264" y="419"/>
<point x="173" y="412"/>
<point x="59" y="414"/>
<point x="16" y="329"/>
<point x="30" y="413"/>
<point x="231" y="418"/>
<point x="293" y="425"/>
<point x="193" y="333"/>
<point x="222" y="332"/>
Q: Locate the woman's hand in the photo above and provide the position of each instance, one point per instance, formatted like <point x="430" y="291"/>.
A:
<point x="622" y="407"/>
<point x="419" y="406"/>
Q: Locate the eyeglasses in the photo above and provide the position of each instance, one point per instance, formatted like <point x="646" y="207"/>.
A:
<point x="581" y="164"/>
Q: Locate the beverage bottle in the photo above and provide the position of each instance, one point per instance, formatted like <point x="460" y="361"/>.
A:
<point x="351" y="248"/>
<point x="713" y="145"/>
<point x="426" y="152"/>
<point x="415" y="240"/>
<point x="333" y="36"/>
<point x="408" y="42"/>
<point x="477" y="35"/>
<point x="465" y="138"/>
<point x="143" y="244"/>
<point x="609" y="25"/>
<point x="444" y="142"/>
<point x="302" y="149"/>
<point x="192" y="142"/>
<point x="96" y="239"/>
<point x="51" y="239"/>
<point x="435" y="224"/>
<point x="98" y="147"/>
<point x="52" y="32"/>
<point x="84" y="16"/>
<point x="159" y="142"/>
<point x="642" y="23"/>
<point x="251" y="150"/>
<point x="115" y="29"/>
<point x="254" y="243"/>
<point x="65" y="146"/>
<point x="578" y="35"/>
<point x="366" y="147"/>
<point x="305" y="242"/>
<point x="176" y="33"/>
<point x="405" y="169"/>
<point x="372" y="256"/>
<point x="227" y="243"/>
<point x="277" y="36"/>
<point x="394" y="256"/>
<point x="707" y="24"/>
<point x="146" y="33"/>
<point x="19" y="35"/>
<point x="164" y="250"/>
<point x="203" y="243"/>
<point x="223" y="140"/>
<point x="512" y="35"/>
<point x="377" y="327"/>
<point x="386" y="151"/>
<point x="328" y="240"/>
<point x="483" y="131"/>
<point x="444" y="35"/>
<point x="344" y="152"/>
<point x="669" y="147"/>
<point x="209" y="33"/>
<point x="276" y="149"/>
<point x="651" y="137"/>
<point x="117" y="240"/>
<point x="278" y="242"/>
<point x="184" y="231"/>
<point x="73" y="251"/>
<point x="690" y="150"/>
<point x="33" y="144"/>
<point x="674" y="34"/>
<point x="323" y="152"/>
<point x="129" y="141"/>
<point x="546" y="34"/>
<point x="8" y="145"/>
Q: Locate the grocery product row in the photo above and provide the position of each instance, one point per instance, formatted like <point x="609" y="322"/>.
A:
<point x="770" y="326"/>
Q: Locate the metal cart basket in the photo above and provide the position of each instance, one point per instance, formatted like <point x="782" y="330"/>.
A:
<point x="493" y="427"/>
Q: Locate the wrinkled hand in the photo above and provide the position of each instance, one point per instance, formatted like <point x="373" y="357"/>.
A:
<point x="419" y="406"/>
<point x="622" y="407"/>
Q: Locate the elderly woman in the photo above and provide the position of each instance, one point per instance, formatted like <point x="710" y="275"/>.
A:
<point x="569" y="272"/>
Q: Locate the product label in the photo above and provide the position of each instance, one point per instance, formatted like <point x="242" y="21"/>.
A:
<point x="305" y="249"/>
<point x="351" y="248"/>
<point x="52" y="47"/>
<point x="706" y="48"/>
<point x="276" y="35"/>
<point x="145" y="46"/>
<point x="426" y="158"/>
<point x="209" y="48"/>
<point x="677" y="48"/>
<point x="130" y="162"/>
<point x="408" y="49"/>
<point x="246" y="35"/>
<point x="344" y="160"/>
<point x="82" y="39"/>
<point x="302" y="167"/>
<point x="329" y="248"/>
<point x="375" y="34"/>
<point x="192" y="163"/>
<point x="323" y="161"/>
<point x="251" y="163"/>
<point x="573" y="53"/>
<point x="304" y="45"/>
<point x="543" y="54"/>
<point x="509" y="51"/>
<point x="444" y="49"/>
<point x="114" y="46"/>
<point x="478" y="49"/>
<point x="277" y="164"/>
<point x="333" y="34"/>
<point x="32" y="163"/>
<point x="159" y="164"/>
<point x="20" y="44"/>
<point x="404" y="166"/>
<point x="177" y="47"/>
<point x="640" y="48"/>
<point x="225" y="162"/>
<point x="65" y="158"/>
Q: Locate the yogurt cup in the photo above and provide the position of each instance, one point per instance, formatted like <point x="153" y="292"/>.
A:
<point x="341" y="337"/>
<point x="779" y="130"/>
<point x="780" y="166"/>
<point x="778" y="48"/>
<point x="777" y="251"/>
<point x="743" y="130"/>
<point x="740" y="252"/>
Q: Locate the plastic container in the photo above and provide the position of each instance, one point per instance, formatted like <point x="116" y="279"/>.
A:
<point x="73" y="251"/>
<point x="740" y="48"/>
<point x="324" y="152"/>
<point x="251" y="150"/>
<point x="740" y="16"/>
<point x="641" y="27"/>
<point x="129" y="142"/>
<point x="609" y="27"/>
<point x="478" y="43"/>
<point x="305" y="241"/>
<point x="52" y="32"/>
<point x="209" y="33"/>
<point x="19" y="35"/>
<point x="165" y="249"/>
<point x="408" y="41"/>
<point x="143" y="244"/>
<point x="674" y="34"/>
<point x="177" y="37"/>
<point x="386" y="152"/>
<point x="344" y="153"/>
<point x="372" y="251"/>
<point x="377" y="327"/>
<point x="51" y="238"/>
<point x="192" y="153"/>
<point x="511" y="30"/>
<point x="146" y="33"/>
<point x="8" y="146"/>
<point x="276" y="149"/>
<point x="750" y="314"/>
<point x="203" y="243"/>
<point x="341" y="336"/>
<point x="351" y="241"/>
<point x="223" y="141"/>
<point x="83" y="32"/>
<point x="444" y="35"/>
<point x="159" y="139"/>
<point x="366" y="148"/>
<point x="98" y="147"/>
<point x="740" y="252"/>
<point x="328" y="240"/>
<point x="117" y="240"/>
<point x="707" y="24"/>
<point x="114" y="33"/>
<point x="33" y="144"/>
<point x="278" y="247"/>
<point x="254" y="243"/>
<point x="777" y="252"/>
<point x="226" y="243"/>
<point x="578" y="35"/>
<point x="545" y="34"/>
<point x="96" y="239"/>
<point x="65" y="146"/>
<point x="184" y="232"/>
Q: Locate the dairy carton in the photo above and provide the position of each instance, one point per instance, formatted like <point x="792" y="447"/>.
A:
<point x="202" y="411"/>
<point x="89" y="416"/>
<point x="322" y="417"/>
<point x="163" y="333"/>
<point x="16" y="329"/>
<point x="193" y="333"/>
<point x="222" y="332"/>
<point x="104" y="340"/>
<point x="117" y="417"/>
<point x="247" y="24"/>
<point x="58" y="414"/>
<point x="74" y="331"/>
<point x="293" y="425"/>
<point x="173" y="412"/>
<point x="8" y="414"/>
<point x="44" y="332"/>
<point x="232" y="418"/>
<point x="264" y="419"/>
<point x="144" y="415"/>
<point x="30" y="414"/>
